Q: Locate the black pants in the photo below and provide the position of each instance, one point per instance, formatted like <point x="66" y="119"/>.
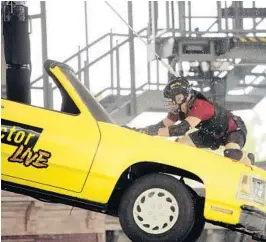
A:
<point x="202" y="140"/>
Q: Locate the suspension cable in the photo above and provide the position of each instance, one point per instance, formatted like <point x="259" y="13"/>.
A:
<point x="170" y="68"/>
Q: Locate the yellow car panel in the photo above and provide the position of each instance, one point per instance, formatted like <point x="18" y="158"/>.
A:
<point x="221" y="187"/>
<point x="62" y="151"/>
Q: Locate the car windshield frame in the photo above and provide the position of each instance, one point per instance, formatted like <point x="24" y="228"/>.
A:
<point x="94" y="107"/>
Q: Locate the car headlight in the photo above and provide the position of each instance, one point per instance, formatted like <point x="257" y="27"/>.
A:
<point x="252" y="189"/>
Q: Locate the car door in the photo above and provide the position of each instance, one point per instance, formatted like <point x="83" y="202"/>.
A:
<point x="46" y="147"/>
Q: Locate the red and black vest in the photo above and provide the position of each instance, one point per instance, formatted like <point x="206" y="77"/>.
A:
<point x="217" y="125"/>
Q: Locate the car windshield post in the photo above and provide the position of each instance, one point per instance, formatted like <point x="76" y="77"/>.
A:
<point x="95" y="108"/>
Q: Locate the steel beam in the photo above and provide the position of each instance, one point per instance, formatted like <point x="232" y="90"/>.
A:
<point x="252" y="52"/>
<point x="118" y="70"/>
<point x="86" y="80"/>
<point x="167" y="14"/>
<point x="173" y="17"/>
<point x="86" y="30"/>
<point x="182" y="19"/>
<point x="112" y="59"/>
<point x="132" y="60"/>
<point x="219" y="17"/>
<point x="244" y="13"/>
<point x="237" y="19"/>
<point x="247" y="53"/>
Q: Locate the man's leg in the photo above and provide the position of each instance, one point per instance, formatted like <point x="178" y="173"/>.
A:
<point x="194" y="139"/>
<point x="186" y="140"/>
<point x="233" y="149"/>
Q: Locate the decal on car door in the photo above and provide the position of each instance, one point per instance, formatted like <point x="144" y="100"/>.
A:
<point x="24" y="137"/>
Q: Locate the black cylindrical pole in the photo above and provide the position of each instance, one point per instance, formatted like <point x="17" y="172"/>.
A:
<point x="17" y="51"/>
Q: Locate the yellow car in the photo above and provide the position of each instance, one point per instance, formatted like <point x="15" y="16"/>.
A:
<point x="80" y="157"/>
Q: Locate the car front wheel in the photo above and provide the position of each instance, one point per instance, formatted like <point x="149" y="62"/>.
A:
<point x="157" y="207"/>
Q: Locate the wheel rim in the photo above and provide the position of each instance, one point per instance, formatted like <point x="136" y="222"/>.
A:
<point x="155" y="211"/>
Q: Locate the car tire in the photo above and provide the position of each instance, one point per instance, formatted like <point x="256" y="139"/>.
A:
<point x="157" y="207"/>
<point x="199" y="224"/>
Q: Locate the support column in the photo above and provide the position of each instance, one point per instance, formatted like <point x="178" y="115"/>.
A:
<point x="182" y="19"/>
<point x="153" y="17"/>
<point x="237" y="20"/>
<point x="133" y="105"/>
<point x="87" y="79"/>
<point x="111" y="60"/>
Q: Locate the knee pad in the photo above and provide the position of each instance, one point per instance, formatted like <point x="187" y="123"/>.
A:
<point x="235" y="154"/>
<point x="186" y="140"/>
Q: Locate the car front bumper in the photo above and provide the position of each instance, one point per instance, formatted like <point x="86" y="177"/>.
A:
<point x="253" y="221"/>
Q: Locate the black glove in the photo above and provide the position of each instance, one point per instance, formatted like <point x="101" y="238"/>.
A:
<point x="141" y="130"/>
<point x="125" y="126"/>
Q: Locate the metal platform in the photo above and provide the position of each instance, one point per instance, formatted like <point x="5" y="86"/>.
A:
<point x="210" y="48"/>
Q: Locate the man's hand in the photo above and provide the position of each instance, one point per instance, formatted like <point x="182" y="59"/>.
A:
<point x="140" y="130"/>
<point x="143" y="130"/>
<point x="127" y="127"/>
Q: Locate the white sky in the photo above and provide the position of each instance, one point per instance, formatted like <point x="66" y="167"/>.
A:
<point x="66" y="31"/>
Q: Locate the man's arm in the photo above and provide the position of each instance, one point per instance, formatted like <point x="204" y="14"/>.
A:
<point x="179" y="129"/>
<point x="163" y="124"/>
<point x="168" y="122"/>
<point x="153" y="129"/>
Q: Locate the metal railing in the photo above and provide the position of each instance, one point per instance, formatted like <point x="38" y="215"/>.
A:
<point x="82" y="70"/>
<point x="221" y="19"/>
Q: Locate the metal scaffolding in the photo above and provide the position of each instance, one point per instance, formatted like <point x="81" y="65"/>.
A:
<point x="220" y="56"/>
<point x="213" y="54"/>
